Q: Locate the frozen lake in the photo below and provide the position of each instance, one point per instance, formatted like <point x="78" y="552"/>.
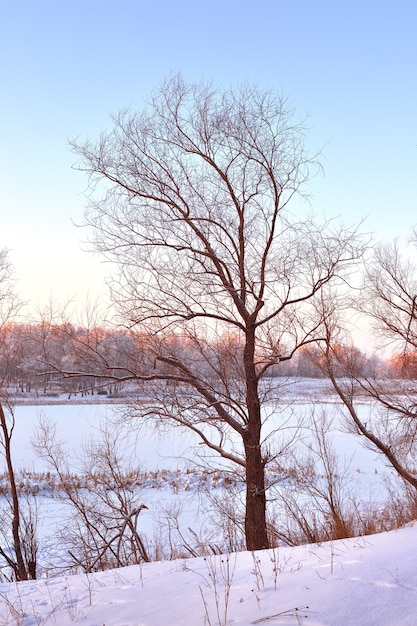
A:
<point x="77" y="424"/>
<point x="170" y="449"/>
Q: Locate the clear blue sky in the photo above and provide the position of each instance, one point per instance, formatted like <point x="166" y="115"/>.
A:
<point x="67" y="65"/>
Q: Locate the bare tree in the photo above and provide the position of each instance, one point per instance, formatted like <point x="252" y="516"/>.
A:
<point x="389" y="300"/>
<point x="21" y="557"/>
<point x="191" y="201"/>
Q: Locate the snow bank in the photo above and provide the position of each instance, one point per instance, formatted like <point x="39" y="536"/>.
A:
<point x="370" y="581"/>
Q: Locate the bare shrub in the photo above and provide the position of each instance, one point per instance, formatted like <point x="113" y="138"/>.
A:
<point x="220" y="573"/>
<point x="103" y="529"/>
<point x="401" y="506"/>
<point x="318" y="503"/>
<point x="28" y="538"/>
<point x="224" y="507"/>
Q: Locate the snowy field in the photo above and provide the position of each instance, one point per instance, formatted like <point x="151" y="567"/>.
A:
<point x="366" y="581"/>
<point x="369" y="581"/>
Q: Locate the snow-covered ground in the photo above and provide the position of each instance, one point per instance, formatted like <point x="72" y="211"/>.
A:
<point x="169" y="481"/>
<point x="363" y="582"/>
<point x="370" y="581"/>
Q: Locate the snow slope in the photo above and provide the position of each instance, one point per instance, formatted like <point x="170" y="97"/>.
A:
<point x="368" y="581"/>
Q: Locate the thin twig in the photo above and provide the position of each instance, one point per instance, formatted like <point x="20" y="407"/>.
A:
<point x="288" y="613"/>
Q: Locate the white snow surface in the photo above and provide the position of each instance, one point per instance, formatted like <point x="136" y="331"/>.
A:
<point x="368" y="581"/>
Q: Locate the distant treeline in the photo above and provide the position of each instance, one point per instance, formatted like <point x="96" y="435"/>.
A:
<point x="61" y="358"/>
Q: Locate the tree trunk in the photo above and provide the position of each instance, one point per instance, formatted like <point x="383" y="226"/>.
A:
<point x="20" y="569"/>
<point x="255" y="518"/>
